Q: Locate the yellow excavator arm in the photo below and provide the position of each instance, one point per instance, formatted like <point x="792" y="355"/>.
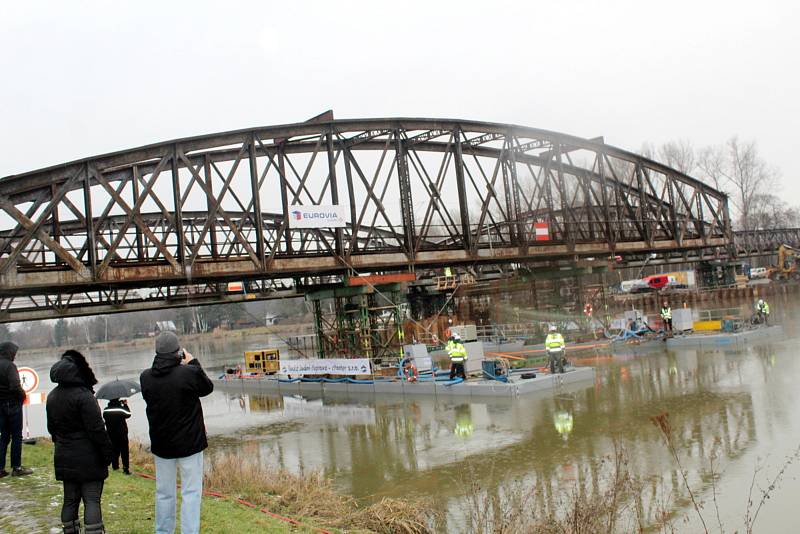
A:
<point x="787" y="263"/>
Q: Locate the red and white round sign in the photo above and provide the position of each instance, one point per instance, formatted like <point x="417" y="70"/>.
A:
<point x="29" y="379"/>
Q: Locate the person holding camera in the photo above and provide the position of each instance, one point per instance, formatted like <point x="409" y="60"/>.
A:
<point x="172" y="389"/>
<point x="115" y="414"/>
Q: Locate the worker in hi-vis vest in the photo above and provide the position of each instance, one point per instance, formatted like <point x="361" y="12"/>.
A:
<point x="666" y="316"/>
<point x="450" y="344"/>
<point x="458" y="357"/>
<point x="556" y="349"/>
<point x="762" y="310"/>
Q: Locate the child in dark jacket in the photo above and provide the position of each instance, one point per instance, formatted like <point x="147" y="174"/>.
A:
<point x="115" y="414"/>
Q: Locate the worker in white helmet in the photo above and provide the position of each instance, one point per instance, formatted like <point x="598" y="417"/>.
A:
<point x="458" y="357"/>
<point x="556" y="349"/>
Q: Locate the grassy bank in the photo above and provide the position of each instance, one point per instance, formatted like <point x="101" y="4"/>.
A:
<point x="33" y="503"/>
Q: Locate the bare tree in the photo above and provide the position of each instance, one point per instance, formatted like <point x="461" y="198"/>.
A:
<point x="710" y="164"/>
<point x="680" y="155"/>
<point x="737" y="167"/>
<point x="769" y="211"/>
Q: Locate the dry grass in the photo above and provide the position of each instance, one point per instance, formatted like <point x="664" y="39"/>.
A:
<point x="395" y="516"/>
<point x="661" y="421"/>
<point x="520" y="507"/>
<point x="308" y="495"/>
<point x="141" y="457"/>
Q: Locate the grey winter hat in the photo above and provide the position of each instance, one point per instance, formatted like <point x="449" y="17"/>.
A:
<point x="167" y="343"/>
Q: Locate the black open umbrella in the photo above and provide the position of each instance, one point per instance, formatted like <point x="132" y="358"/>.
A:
<point x="118" y="389"/>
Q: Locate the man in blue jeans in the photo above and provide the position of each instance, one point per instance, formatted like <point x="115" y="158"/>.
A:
<point x="11" y="398"/>
<point x="172" y="388"/>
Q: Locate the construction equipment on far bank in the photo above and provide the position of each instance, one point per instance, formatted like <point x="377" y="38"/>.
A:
<point x="787" y="267"/>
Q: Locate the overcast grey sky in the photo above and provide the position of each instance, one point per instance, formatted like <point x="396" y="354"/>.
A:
<point x="82" y="78"/>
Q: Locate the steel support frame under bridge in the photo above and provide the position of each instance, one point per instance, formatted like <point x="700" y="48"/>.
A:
<point x="183" y="217"/>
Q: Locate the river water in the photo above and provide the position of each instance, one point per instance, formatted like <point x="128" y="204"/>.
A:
<point x="736" y="404"/>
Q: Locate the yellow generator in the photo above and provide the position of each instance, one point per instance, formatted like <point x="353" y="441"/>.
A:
<point x="264" y="361"/>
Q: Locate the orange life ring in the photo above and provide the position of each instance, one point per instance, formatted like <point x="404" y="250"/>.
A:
<point x="410" y="372"/>
<point x="587" y="310"/>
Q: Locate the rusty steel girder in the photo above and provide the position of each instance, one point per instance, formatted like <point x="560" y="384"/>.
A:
<point x="418" y="193"/>
<point x="764" y="242"/>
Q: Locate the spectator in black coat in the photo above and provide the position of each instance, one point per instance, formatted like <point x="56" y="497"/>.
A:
<point x="11" y="398"/>
<point x="172" y="388"/>
<point x="82" y="446"/>
<point x="115" y="414"/>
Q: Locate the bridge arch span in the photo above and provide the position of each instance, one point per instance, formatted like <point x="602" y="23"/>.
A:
<point x="416" y="192"/>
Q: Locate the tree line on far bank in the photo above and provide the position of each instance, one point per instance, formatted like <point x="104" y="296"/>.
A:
<point x="135" y="325"/>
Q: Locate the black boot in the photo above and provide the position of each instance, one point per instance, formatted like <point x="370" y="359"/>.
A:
<point x="96" y="528"/>
<point x="73" y="527"/>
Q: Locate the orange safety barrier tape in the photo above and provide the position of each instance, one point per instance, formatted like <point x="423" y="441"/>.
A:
<point x="218" y="495"/>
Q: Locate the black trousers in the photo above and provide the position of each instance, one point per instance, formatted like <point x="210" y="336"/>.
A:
<point x="88" y="492"/>
<point x="457" y="369"/>
<point x="668" y="325"/>
<point x="10" y="432"/>
<point x="119" y="448"/>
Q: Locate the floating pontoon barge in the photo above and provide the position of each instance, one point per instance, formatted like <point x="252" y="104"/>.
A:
<point x="515" y="386"/>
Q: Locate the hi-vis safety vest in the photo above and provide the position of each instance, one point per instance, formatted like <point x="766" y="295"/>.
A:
<point x="459" y="353"/>
<point x="666" y="313"/>
<point x="764" y="308"/>
<point x="554" y="341"/>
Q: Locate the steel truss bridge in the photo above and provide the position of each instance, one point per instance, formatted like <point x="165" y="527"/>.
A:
<point x="171" y="223"/>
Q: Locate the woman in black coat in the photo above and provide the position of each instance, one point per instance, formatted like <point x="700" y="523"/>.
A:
<point x="82" y="446"/>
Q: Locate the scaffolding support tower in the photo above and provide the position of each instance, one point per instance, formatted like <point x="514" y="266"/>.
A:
<point x="364" y="321"/>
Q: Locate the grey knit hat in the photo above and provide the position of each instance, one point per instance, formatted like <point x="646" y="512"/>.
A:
<point x="167" y="343"/>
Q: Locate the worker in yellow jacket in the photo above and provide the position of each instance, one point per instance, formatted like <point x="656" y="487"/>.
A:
<point x="556" y="349"/>
<point x="666" y="317"/>
<point x="458" y="358"/>
<point x="762" y="311"/>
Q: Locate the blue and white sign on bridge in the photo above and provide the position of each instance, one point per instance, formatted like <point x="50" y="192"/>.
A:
<point x="317" y="216"/>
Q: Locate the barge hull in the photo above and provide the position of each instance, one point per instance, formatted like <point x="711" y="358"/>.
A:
<point x="727" y="339"/>
<point x="472" y="388"/>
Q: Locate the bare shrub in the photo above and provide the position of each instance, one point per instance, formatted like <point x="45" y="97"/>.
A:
<point x="517" y="507"/>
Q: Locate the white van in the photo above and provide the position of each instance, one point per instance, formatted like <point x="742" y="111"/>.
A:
<point x="758" y="272"/>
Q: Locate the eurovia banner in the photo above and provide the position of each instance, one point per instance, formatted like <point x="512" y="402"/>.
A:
<point x="317" y="216"/>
